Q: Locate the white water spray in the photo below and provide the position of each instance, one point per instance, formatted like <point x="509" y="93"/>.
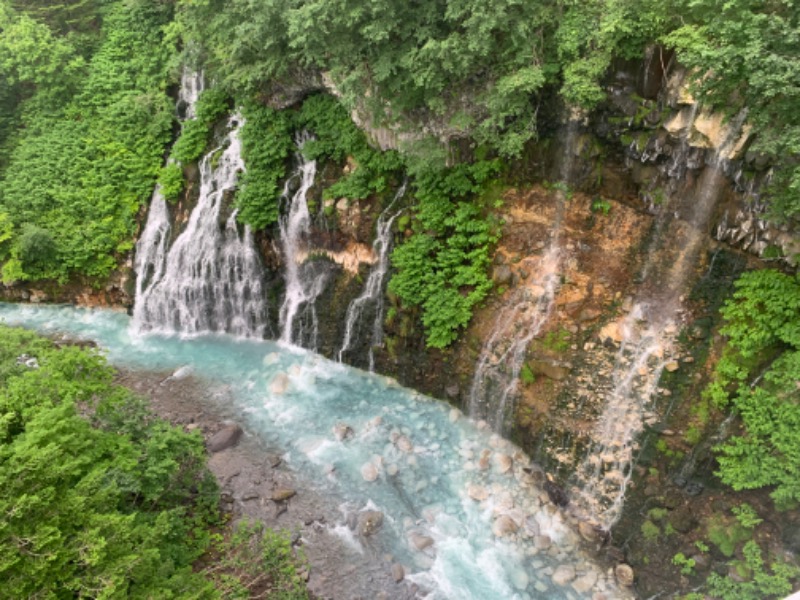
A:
<point x="372" y="296"/>
<point x="303" y="282"/>
<point x="647" y="337"/>
<point x="211" y="279"/>
<point x="495" y="383"/>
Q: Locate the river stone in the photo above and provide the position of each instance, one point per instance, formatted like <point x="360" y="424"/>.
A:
<point x="225" y="438"/>
<point x="502" y="462"/>
<point x="624" y="574"/>
<point x="532" y="525"/>
<point x="585" y="582"/>
<point x="369" y="472"/>
<point x="483" y="461"/>
<point x="588" y="531"/>
<point x="419" y="541"/>
<point x="671" y="366"/>
<point x="282" y="493"/>
<point x="563" y="574"/>
<point x="542" y="542"/>
<point x="369" y="522"/>
<point x="279" y="384"/>
<point x="477" y="492"/>
<point x="398" y="572"/>
<point x="342" y="431"/>
<point x="454" y="415"/>
<point x="404" y="444"/>
<point x="520" y="579"/>
<point x="503" y="526"/>
<point x="683" y="520"/>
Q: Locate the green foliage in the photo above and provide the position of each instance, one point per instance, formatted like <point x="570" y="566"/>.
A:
<point x="171" y="181"/>
<point x="758" y="376"/>
<point x="99" y="497"/>
<point x="746" y="515"/>
<point x="443" y="266"/>
<point x="91" y="137"/>
<point x="526" y="375"/>
<point x="252" y="555"/>
<point x="599" y="205"/>
<point x="650" y="531"/>
<point x="6" y="233"/>
<point x="727" y="534"/>
<point x="686" y="565"/>
<point x="36" y="249"/>
<point x="196" y="133"/>
<point x="760" y="585"/>
<point x="556" y="340"/>
<point x="266" y="145"/>
<point x="337" y="138"/>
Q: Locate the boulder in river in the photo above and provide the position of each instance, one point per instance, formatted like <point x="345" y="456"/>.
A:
<point x="225" y="438"/>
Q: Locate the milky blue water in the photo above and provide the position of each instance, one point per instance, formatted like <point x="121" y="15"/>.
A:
<point x="432" y="472"/>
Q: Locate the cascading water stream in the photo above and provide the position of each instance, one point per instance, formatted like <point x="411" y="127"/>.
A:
<point x="496" y="378"/>
<point x="298" y="315"/>
<point x="212" y="278"/>
<point x="495" y="383"/>
<point x="462" y="508"/>
<point x="647" y="338"/>
<point x="372" y="297"/>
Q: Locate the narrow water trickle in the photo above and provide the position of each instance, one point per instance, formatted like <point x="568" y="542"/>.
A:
<point x="371" y="300"/>
<point x="305" y="277"/>
<point x="211" y="279"/>
<point x="647" y="335"/>
<point x="494" y="388"/>
<point x="494" y="385"/>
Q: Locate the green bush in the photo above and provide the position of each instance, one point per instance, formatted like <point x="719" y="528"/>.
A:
<point x="443" y="266"/>
<point x="757" y="375"/>
<point x="36" y="250"/>
<point x="171" y="181"/>
<point x="266" y="147"/>
<point x="99" y="496"/>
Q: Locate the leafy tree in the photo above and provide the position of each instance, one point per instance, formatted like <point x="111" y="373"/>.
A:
<point x="748" y="52"/>
<point x="82" y="165"/>
<point x="99" y="497"/>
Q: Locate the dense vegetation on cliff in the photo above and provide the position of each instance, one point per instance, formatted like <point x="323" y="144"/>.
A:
<point x="87" y="123"/>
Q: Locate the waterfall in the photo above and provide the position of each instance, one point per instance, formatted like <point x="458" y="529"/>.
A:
<point x="647" y="337"/>
<point x="211" y="279"/>
<point x="372" y="296"/>
<point x="305" y="280"/>
<point x="192" y="84"/>
<point x="495" y="382"/>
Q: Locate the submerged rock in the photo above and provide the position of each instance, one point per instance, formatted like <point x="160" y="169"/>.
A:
<point x="342" y="431"/>
<point x="477" y="492"/>
<point x="504" y="525"/>
<point x="420" y="542"/>
<point x="369" y="472"/>
<point x="398" y="572"/>
<point x="563" y="574"/>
